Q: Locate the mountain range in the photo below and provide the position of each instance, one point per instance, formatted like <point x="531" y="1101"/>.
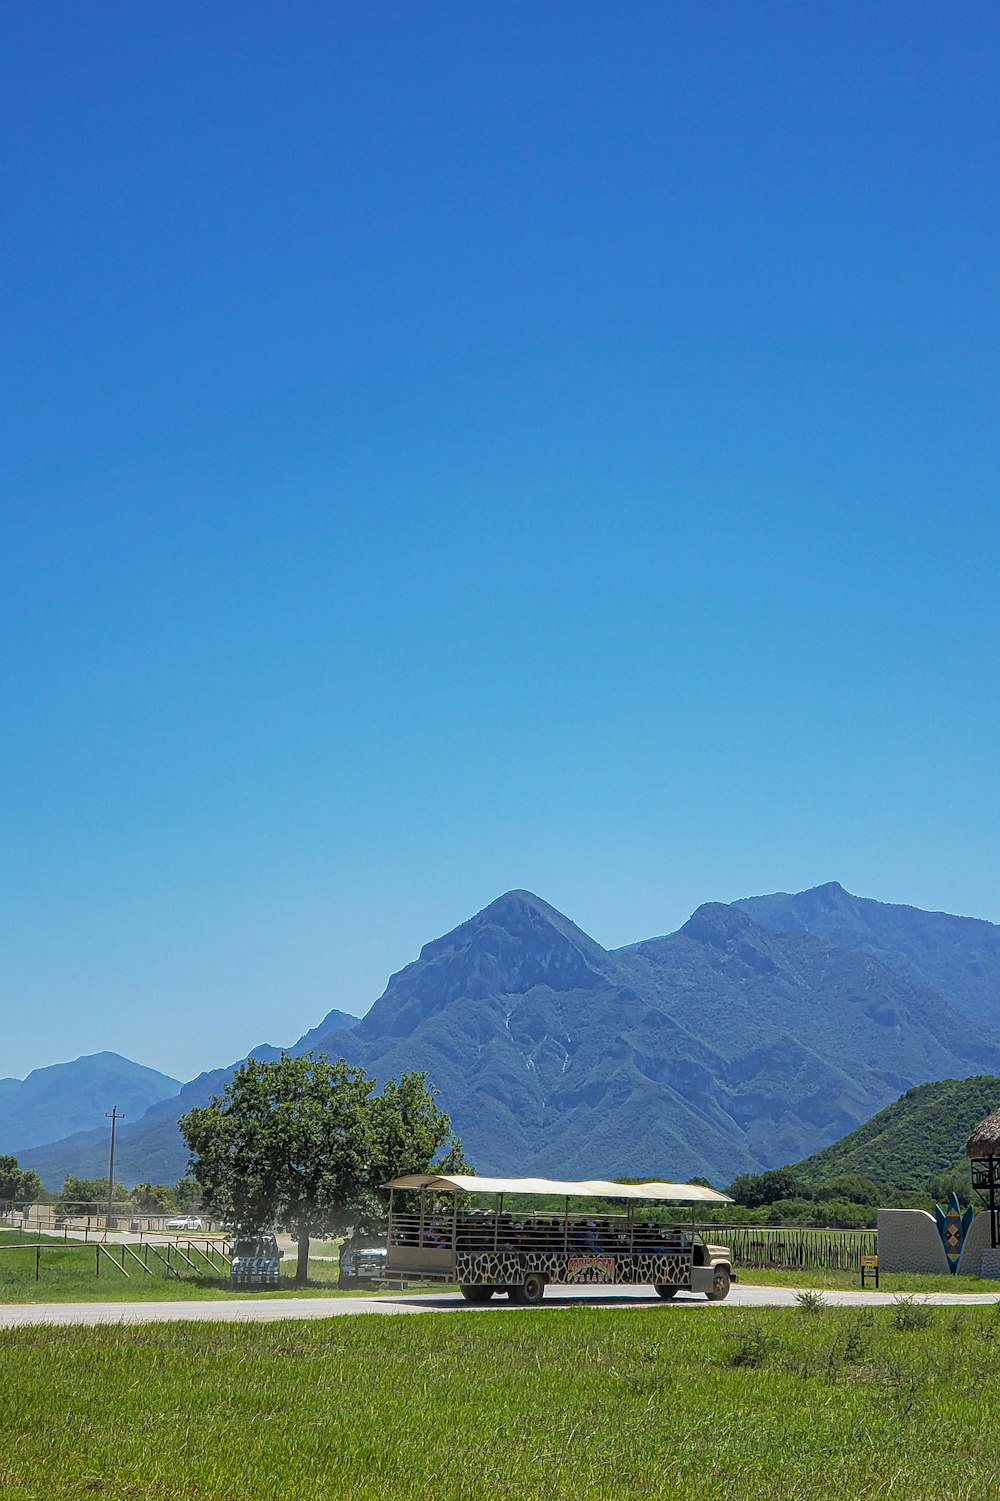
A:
<point x="67" y="1096"/>
<point x="957" y="956"/>
<point x="755" y="1035"/>
<point x="149" y="1148"/>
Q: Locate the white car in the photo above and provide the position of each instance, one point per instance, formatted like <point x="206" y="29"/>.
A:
<point x="184" y="1222"/>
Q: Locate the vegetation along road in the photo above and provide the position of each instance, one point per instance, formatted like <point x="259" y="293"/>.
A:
<point x="270" y="1309"/>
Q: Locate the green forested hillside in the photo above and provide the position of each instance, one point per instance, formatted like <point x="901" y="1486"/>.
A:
<point x="920" y="1136"/>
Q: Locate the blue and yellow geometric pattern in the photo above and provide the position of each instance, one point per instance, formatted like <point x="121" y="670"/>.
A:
<point x="953" y="1225"/>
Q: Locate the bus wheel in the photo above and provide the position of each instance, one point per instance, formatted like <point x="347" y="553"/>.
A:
<point x="475" y="1292"/>
<point x="720" y="1285"/>
<point x="666" y="1290"/>
<point x="532" y="1289"/>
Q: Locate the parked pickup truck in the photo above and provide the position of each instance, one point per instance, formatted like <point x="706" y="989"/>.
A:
<point x="361" y="1266"/>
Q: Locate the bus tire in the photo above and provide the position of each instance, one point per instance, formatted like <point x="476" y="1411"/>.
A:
<point x="720" y="1285"/>
<point x="531" y="1290"/>
<point x="666" y="1289"/>
<point x="475" y="1292"/>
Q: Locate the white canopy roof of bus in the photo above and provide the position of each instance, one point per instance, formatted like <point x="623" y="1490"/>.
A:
<point x="591" y="1188"/>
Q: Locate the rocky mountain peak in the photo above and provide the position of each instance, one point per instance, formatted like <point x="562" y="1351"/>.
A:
<point x="524" y="918"/>
<point x="718" y="924"/>
<point x="831" y="896"/>
<point x="748" y="1038"/>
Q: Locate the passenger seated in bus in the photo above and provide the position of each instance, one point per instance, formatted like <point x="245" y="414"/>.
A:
<point x="586" y="1238"/>
<point x="536" y="1234"/>
<point x="508" y="1236"/>
<point x="469" y="1231"/>
<point x="553" y="1235"/>
<point x="476" y="1233"/>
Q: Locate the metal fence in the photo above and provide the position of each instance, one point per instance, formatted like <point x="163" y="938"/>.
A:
<point x="175" y="1256"/>
<point x="796" y="1248"/>
<point x="51" y="1219"/>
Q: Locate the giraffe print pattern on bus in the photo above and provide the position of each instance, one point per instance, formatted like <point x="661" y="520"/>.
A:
<point x="507" y="1268"/>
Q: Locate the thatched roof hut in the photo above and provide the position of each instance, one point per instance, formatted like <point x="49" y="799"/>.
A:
<point x="985" y="1139"/>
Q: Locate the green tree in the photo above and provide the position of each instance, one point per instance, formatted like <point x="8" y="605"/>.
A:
<point x="855" y="1188"/>
<point x="307" y="1144"/>
<point x="88" y="1195"/>
<point x="757" y="1189"/>
<point x="187" y="1194"/>
<point x="19" y="1185"/>
<point x="30" y="1188"/>
<point x="153" y="1197"/>
<point x="943" y="1184"/>
<point x="10" y="1177"/>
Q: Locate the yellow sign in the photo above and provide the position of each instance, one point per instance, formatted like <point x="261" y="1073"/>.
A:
<point x="867" y="1260"/>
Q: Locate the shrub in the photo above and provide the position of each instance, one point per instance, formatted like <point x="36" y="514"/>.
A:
<point x="911" y="1314"/>
<point x="749" y="1348"/>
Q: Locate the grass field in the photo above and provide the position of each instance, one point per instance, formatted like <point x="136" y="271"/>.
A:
<point x="890" y="1282"/>
<point x="575" y="1403"/>
<point x="68" y="1276"/>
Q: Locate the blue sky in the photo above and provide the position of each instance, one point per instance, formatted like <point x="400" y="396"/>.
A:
<point x="455" y="446"/>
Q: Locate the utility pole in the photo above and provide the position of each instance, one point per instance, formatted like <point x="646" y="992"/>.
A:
<point x="114" y="1116"/>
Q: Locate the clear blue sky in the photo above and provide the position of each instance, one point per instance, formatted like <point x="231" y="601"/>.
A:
<point x="458" y="446"/>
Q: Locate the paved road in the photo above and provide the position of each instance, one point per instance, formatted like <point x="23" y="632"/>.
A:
<point x="267" y="1310"/>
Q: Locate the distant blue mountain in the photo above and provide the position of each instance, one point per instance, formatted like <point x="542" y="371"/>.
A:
<point x="149" y="1147"/>
<point x="957" y="956"/>
<point x="67" y="1096"/>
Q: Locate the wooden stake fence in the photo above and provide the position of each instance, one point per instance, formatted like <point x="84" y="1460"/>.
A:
<point x="796" y="1248"/>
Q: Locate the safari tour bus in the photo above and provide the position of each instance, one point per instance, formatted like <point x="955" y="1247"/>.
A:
<point x="475" y="1231"/>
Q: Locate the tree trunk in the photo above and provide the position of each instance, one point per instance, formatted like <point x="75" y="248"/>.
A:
<point x="302" y="1264"/>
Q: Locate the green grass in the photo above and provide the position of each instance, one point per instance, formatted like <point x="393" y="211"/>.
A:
<point x="889" y="1282"/>
<point x="68" y="1276"/>
<point x="724" y="1404"/>
<point x="326" y="1247"/>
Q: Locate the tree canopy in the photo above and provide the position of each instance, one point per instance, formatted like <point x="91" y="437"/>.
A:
<point x="22" y="1185"/>
<point x="306" y="1143"/>
<point x="756" y="1189"/>
<point x="89" y="1195"/>
<point x="153" y="1198"/>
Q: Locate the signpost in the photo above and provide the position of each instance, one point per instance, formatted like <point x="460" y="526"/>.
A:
<point x="869" y="1263"/>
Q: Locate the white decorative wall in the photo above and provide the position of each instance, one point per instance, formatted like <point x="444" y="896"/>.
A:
<point x="990" y="1264"/>
<point x="976" y="1249"/>
<point x="908" y="1241"/>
